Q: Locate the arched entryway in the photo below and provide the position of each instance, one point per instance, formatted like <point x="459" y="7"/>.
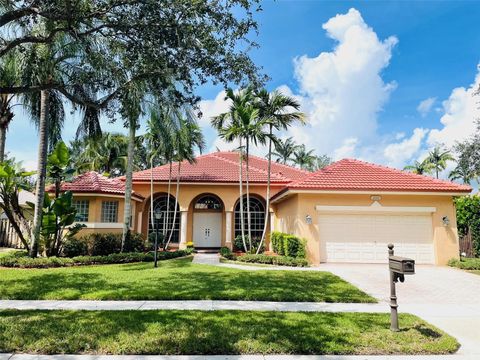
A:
<point x="207" y="221"/>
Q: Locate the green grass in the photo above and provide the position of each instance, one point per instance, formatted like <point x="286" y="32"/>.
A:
<point x="175" y="280"/>
<point x="216" y="332"/>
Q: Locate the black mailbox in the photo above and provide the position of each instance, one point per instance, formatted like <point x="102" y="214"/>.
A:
<point x="402" y="265"/>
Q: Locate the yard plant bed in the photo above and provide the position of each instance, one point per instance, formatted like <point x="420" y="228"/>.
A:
<point x="466" y="264"/>
<point x="177" y="279"/>
<point x="216" y="332"/>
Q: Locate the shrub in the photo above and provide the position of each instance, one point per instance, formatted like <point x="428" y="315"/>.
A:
<point x="227" y="253"/>
<point x="134" y="242"/>
<point x="111" y="243"/>
<point x="49" y="262"/>
<point x="238" y="244"/>
<point x="288" y="245"/>
<point x="468" y="217"/>
<point x="273" y="260"/>
<point x="465" y="264"/>
<point x="74" y="247"/>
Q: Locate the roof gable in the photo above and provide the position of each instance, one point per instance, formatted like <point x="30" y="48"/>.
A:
<point x="93" y="182"/>
<point x="223" y="167"/>
<point x="356" y="175"/>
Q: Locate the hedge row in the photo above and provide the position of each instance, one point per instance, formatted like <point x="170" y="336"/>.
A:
<point x="273" y="260"/>
<point x="104" y="244"/>
<point x="14" y="260"/>
<point x="288" y="245"/>
<point x="465" y="263"/>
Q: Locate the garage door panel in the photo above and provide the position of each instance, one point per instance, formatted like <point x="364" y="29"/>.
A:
<point x="364" y="238"/>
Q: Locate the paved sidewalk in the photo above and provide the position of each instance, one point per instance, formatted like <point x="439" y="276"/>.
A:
<point x="233" y="357"/>
<point x="206" y="305"/>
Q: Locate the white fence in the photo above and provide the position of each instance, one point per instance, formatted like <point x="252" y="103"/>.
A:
<point x="8" y="236"/>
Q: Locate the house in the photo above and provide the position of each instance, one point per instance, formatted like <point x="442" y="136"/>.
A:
<point x="347" y="212"/>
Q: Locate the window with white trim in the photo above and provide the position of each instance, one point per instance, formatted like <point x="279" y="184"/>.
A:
<point x="82" y="207"/>
<point x="110" y="211"/>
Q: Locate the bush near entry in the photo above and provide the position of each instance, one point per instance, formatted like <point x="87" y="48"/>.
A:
<point x="102" y="244"/>
<point x="273" y="260"/>
<point x="465" y="264"/>
<point x="288" y="245"/>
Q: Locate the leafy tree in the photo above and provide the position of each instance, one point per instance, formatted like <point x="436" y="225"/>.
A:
<point x="13" y="180"/>
<point x="284" y="150"/>
<point x="438" y="159"/>
<point x="468" y="218"/>
<point x="468" y="158"/>
<point x="420" y="167"/>
<point x="304" y="158"/>
<point x="278" y="112"/>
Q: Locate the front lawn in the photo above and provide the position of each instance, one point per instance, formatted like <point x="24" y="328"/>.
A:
<point x="175" y="280"/>
<point x="216" y="332"/>
<point x="471" y="264"/>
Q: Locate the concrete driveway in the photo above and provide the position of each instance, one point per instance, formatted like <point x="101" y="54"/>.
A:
<point x="446" y="297"/>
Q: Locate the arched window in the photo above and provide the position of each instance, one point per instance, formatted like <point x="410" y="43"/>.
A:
<point x="163" y="218"/>
<point x="208" y="202"/>
<point x="257" y="217"/>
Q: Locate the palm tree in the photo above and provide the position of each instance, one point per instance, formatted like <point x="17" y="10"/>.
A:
<point x="274" y="109"/>
<point x="463" y="172"/>
<point x="438" y="159"/>
<point x="9" y="74"/>
<point x="303" y="158"/>
<point x="188" y="138"/>
<point x="420" y="167"/>
<point x="321" y="162"/>
<point x="284" y="150"/>
<point x="229" y="128"/>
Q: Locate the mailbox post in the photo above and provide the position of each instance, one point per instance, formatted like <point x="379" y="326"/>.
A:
<point x="399" y="267"/>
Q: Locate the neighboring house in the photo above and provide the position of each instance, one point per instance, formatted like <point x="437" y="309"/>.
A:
<point x="347" y="212"/>
<point x="8" y="236"/>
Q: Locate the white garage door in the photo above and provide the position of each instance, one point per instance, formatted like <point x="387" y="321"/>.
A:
<point x="364" y="238"/>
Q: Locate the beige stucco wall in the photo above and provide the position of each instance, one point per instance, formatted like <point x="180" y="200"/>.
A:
<point x="95" y="213"/>
<point x="188" y="193"/>
<point x="291" y="212"/>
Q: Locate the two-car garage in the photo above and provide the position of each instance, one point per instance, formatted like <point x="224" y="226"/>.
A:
<point x="363" y="238"/>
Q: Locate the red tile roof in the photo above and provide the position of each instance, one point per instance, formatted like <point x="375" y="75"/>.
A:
<point x="93" y="182"/>
<point x="222" y="167"/>
<point x="356" y="175"/>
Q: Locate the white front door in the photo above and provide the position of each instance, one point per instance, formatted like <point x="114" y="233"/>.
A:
<point x="207" y="229"/>
<point x="364" y="238"/>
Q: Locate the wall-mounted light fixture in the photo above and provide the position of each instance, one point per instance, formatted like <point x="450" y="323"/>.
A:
<point x="308" y="220"/>
<point x="445" y="221"/>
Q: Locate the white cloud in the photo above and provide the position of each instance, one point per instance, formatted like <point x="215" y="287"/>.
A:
<point x="397" y="154"/>
<point x="460" y="111"/>
<point x="426" y="105"/>
<point x="211" y="108"/>
<point x="343" y="90"/>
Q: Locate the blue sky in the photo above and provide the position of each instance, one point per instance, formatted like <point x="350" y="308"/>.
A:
<point x="360" y="70"/>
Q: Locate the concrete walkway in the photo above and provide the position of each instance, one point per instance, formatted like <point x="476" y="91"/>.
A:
<point x="205" y="305"/>
<point x="232" y="357"/>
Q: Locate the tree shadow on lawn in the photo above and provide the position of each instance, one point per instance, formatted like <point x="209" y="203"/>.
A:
<point x="184" y="282"/>
<point x="196" y="332"/>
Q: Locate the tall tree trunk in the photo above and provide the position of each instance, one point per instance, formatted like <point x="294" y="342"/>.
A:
<point x="175" y="208"/>
<point x="249" y="219"/>
<point x="242" y="223"/>
<point x="3" y="137"/>
<point x="267" y="205"/>
<point x="167" y="214"/>
<point x="41" y="173"/>
<point x="127" y="209"/>
<point x="152" y="217"/>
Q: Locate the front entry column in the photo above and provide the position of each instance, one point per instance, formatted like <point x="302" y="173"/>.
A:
<point x="183" y="230"/>
<point x="228" y="229"/>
